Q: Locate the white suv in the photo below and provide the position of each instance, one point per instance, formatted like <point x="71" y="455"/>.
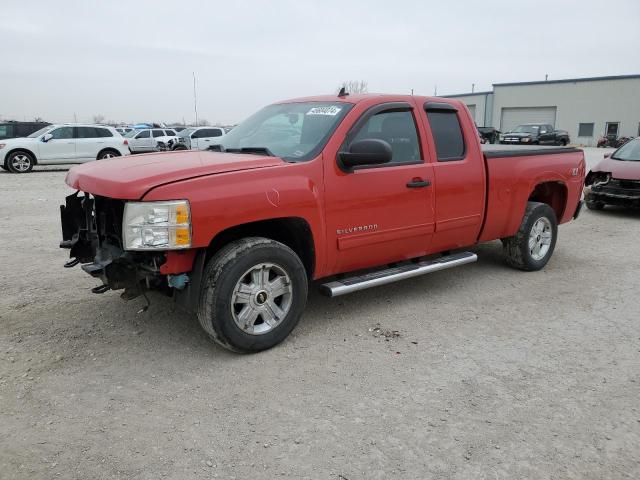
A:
<point x="59" y="144"/>
<point x="199" y="138"/>
<point x="146" y="140"/>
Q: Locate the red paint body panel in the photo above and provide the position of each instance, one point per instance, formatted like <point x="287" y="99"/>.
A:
<point x="620" y="169"/>
<point x="360" y="219"/>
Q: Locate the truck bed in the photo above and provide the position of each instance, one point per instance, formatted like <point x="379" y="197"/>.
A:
<point x="514" y="172"/>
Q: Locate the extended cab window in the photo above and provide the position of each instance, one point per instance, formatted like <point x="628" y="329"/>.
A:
<point x="396" y="128"/>
<point x="447" y="134"/>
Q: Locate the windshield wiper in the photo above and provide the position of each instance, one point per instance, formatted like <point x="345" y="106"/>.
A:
<point x="252" y="150"/>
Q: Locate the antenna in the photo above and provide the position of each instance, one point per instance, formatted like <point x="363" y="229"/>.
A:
<point x="343" y="92"/>
<point x="195" y="98"/>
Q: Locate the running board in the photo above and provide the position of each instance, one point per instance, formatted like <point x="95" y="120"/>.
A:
<point x="389" y="275"/>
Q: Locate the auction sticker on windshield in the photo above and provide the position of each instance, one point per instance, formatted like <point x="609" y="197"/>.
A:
<point x="331" y="110"/>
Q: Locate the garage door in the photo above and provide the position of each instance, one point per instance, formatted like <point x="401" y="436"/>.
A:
<point x="512" y="117"/>
<point x="472" y="109"/>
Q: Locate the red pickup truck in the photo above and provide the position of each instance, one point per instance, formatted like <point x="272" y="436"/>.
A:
<point x="350" y="191"/>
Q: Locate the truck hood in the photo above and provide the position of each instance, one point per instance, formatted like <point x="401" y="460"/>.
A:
<point x="620" y="169"/>
<point x="130" y="177"/>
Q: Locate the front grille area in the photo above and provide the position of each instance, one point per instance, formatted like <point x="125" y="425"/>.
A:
<point x="630" y="188"/>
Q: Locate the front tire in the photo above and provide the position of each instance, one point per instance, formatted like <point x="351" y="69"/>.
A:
<point x="253" y="293"/>
<point x="20" y="162"/>
<point x="532" y="246"/>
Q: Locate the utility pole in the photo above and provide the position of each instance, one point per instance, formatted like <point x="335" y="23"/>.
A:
<point x="435" y="90"/>
<point x="473" y="87"/>
<point x="75" y="118"/>
<point x="546" y="77"/>
<point x="412" y="92"/>
<point x="195" y="98"/>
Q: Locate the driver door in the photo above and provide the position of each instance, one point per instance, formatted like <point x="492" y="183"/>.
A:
<point x="60" y="148"/>
<point x="382" y="213"/>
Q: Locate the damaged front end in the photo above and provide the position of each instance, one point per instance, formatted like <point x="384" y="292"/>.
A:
<point x="602" y="188"/>
<point x="92" y="231"/>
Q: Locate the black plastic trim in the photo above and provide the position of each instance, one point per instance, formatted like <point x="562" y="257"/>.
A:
<point x="526" y="152"/>
<point x="439" y="107"/>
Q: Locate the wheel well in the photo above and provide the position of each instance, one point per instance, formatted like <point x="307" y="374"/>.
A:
<point x="108" y="149"/>
<point x="293" y="232"/>
<point x="35" y="159"/>
<point x="553" y="194"/>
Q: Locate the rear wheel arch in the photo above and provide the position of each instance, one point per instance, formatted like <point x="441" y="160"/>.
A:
<point x="115" y="152"/>
<point x="553" y="193"/>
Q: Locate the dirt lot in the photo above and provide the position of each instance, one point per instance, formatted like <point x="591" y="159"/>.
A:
<point x="492" y="374"/>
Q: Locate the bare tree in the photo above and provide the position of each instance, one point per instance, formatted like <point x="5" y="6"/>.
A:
<point x="38" y="119"/>
<point x="98" y="118"/>
<point x="203" y="122"/>
<point x="355" y="86"/>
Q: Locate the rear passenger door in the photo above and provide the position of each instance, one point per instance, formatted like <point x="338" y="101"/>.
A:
<point x="86" y="147"/>
<point x="459" y="176"/>
<point x="547" y="134"/>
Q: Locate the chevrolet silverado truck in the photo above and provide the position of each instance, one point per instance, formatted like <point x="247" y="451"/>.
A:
<point x="348" y="191"/>
<point x="536" y="134"/>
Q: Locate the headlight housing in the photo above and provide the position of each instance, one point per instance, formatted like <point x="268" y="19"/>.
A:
<point x="526" y="139"/>
<point x="157" y="225"/>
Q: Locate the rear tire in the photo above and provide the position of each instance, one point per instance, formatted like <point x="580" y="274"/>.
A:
<point x="108" y="154"/>
<point x="253" y="293"/>
<point x="532" y="246"/>
<point x="20" y="162"/>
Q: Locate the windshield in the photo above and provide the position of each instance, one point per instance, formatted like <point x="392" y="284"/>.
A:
<point x="40" y="132"/>
<point x="526" y="129"/>
<point x="186" y="132"/>
<point x="630" y="151"/>
<point x="291" y="131"/>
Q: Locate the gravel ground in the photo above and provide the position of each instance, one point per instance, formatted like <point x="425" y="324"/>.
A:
<point x="480" y="372"/>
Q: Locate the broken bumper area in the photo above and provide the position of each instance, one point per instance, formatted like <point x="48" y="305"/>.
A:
<point x="92" y="231"/>
<point x="616" y="192"/>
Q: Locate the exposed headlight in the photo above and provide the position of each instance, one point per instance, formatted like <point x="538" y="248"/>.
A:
<point x="157" y="225"/>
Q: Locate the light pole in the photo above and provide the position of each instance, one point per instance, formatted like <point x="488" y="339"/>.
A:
<point x="195" y="98"/>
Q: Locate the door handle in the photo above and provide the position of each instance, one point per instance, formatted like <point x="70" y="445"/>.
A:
<point x="418" y="183"/>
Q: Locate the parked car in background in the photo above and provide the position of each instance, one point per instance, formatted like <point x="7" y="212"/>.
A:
<point x="489" y="134"/>
<point x="146" y="140"/>
<point x="199" y="138"/>
<point x="123" y="130"/>
<point x="59" y="144"/>
<point x="19" y="129"/>
<point x="616" y="179"/>
<point x="536" y="134"/>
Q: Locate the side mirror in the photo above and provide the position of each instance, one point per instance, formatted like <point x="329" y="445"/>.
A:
<point x="47" y="137"/>
<point x="370" y="151"/>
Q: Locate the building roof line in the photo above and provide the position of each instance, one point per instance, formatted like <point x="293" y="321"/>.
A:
<point x="569" y="80"/>
<point x="466" y="94"/>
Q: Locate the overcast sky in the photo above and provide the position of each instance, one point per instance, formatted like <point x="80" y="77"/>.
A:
<point x="133" y="60"/>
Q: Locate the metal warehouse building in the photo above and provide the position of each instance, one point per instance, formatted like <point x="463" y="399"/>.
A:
<point x="585" y="107"/>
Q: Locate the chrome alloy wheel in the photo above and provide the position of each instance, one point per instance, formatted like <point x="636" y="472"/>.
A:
<point x="107" y="155"/>
<point x="21" y="163"/>
<point x="261" y="299"/>
<point x="540" y="238"/>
